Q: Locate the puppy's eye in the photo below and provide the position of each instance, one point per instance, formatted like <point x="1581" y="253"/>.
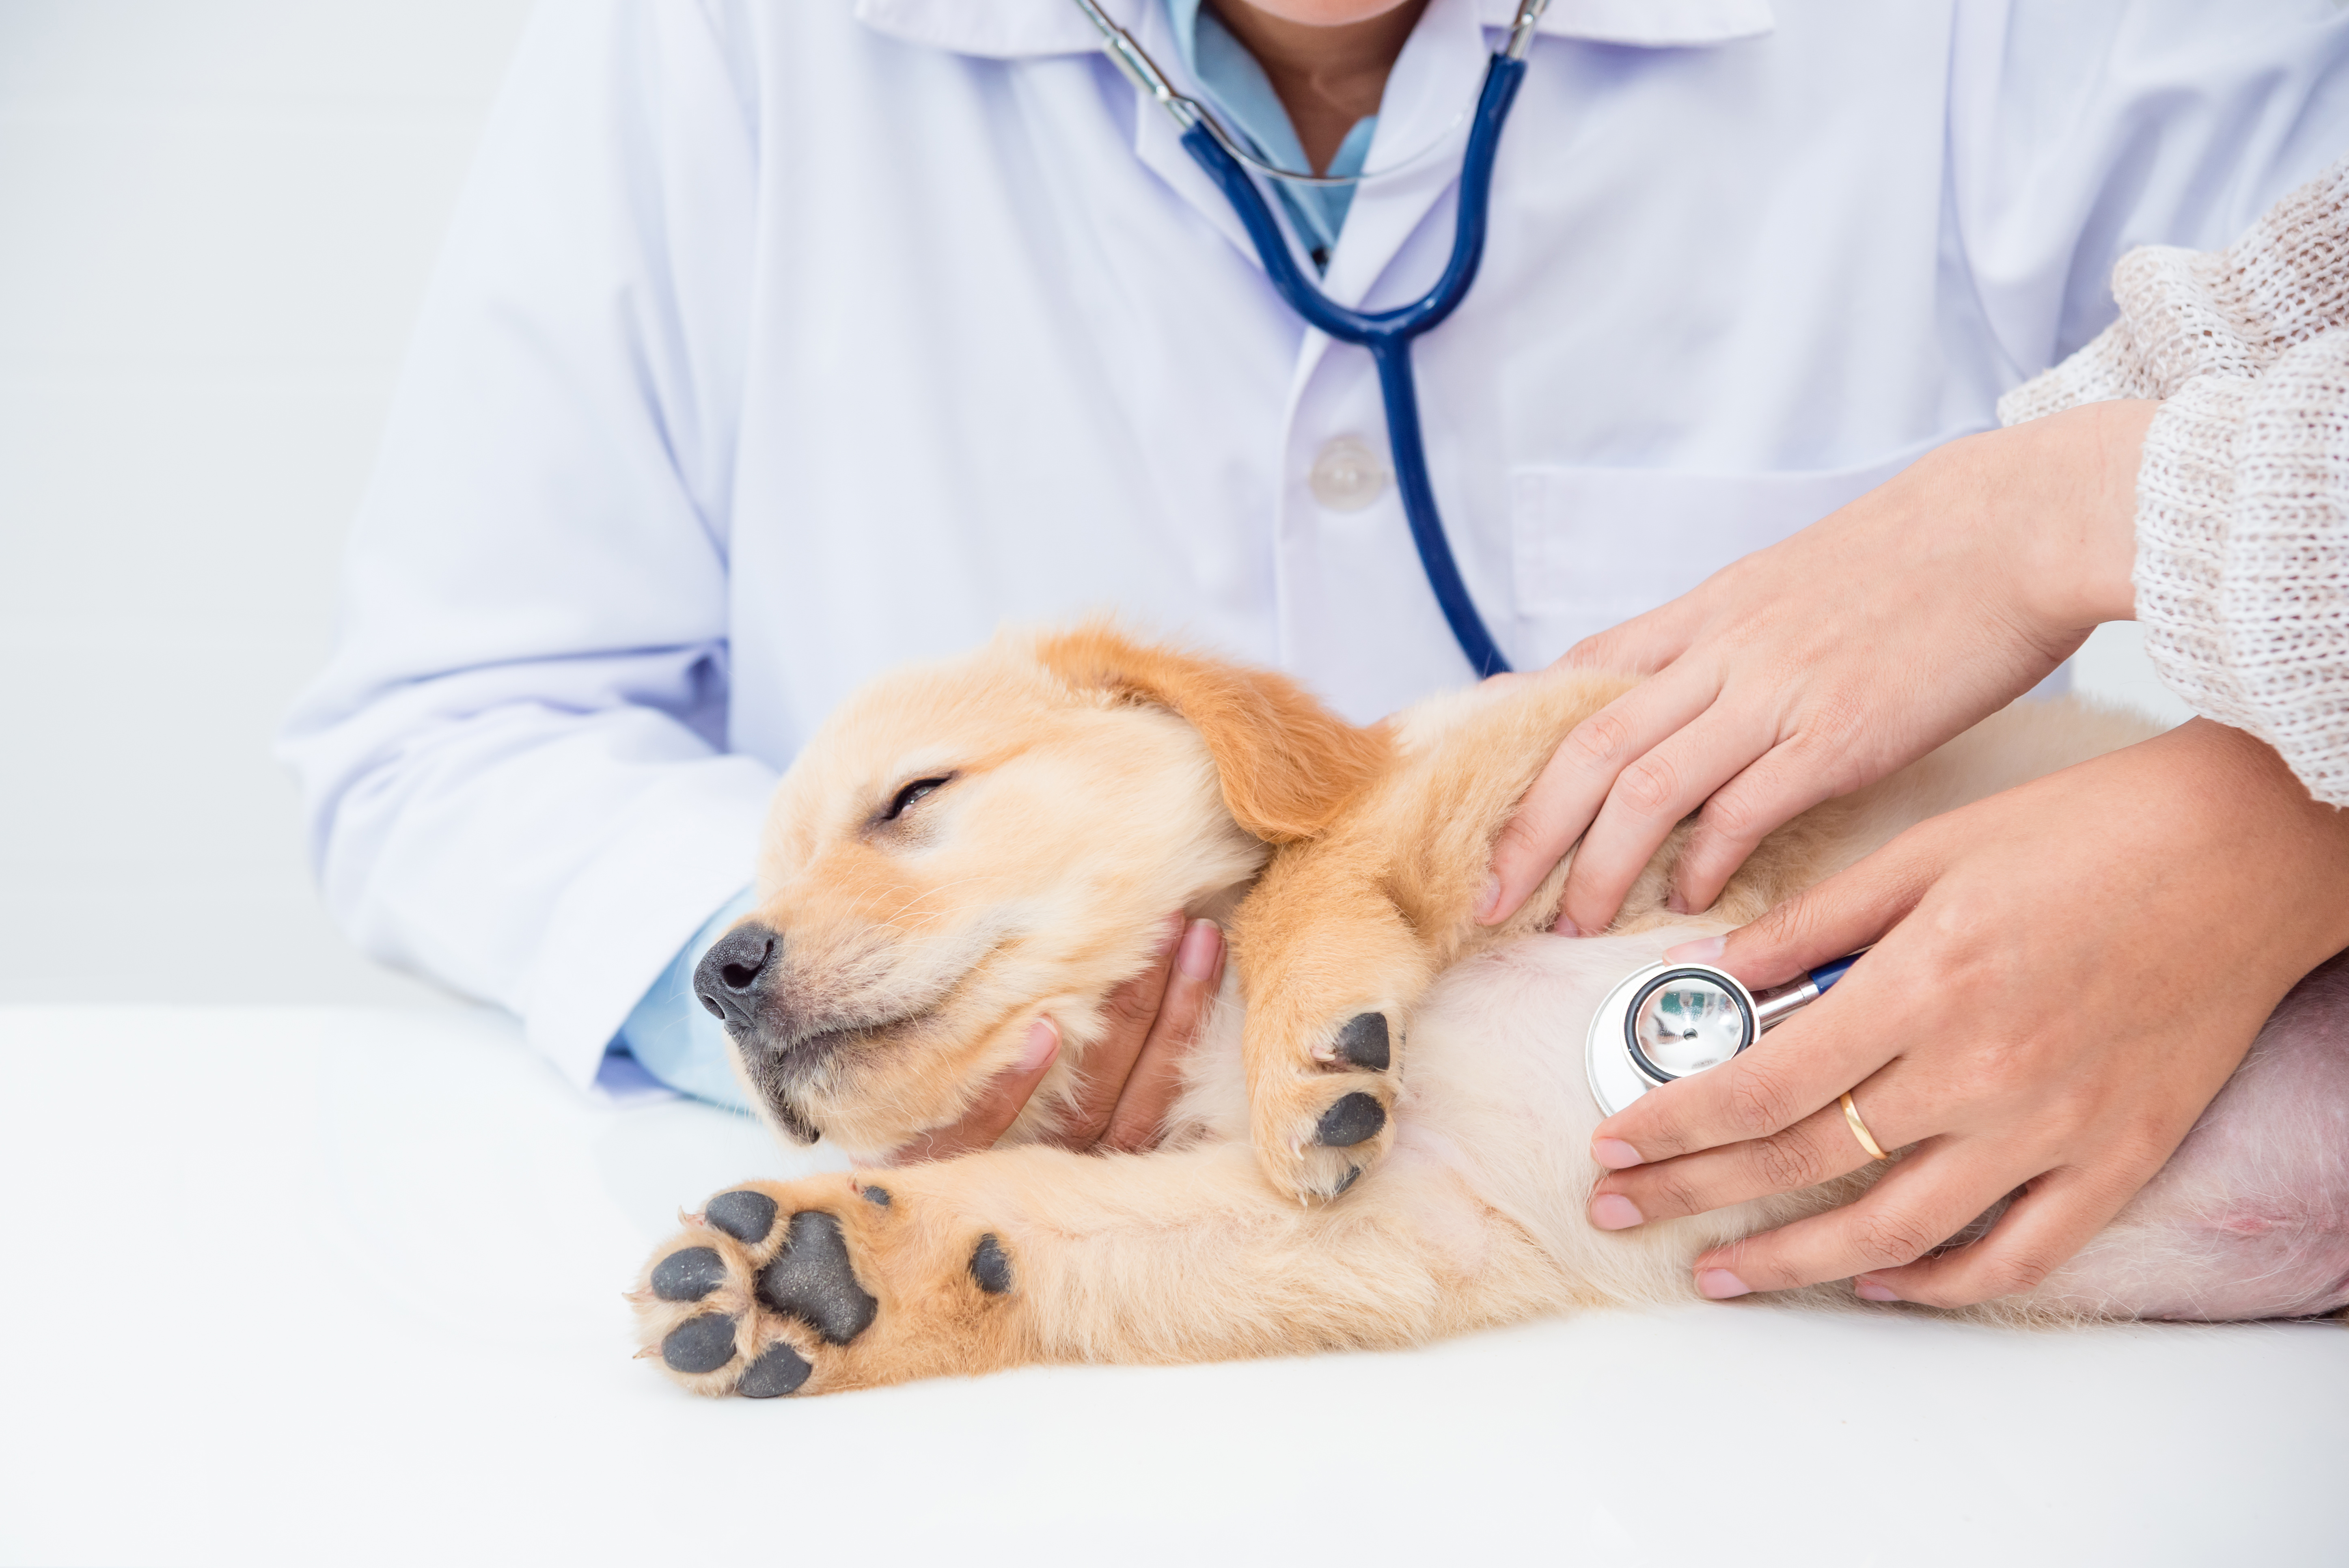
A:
<point x="908" y="795"/>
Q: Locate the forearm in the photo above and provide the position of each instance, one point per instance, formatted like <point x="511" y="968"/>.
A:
<point x="2240" y="515"/>
<point x="537" y="856"/>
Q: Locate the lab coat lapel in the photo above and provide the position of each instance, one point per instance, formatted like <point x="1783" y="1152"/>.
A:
<point x="1425" y="110"/>
<point x="995" y="29"/>
<point x="1644" y="23"/>
<point x="1432" y="94"/>
<point x="1016" y="29"/>
<point x="1158" y="141"/>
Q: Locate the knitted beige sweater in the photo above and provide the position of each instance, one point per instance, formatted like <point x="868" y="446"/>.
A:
<point x="2242" y="530"/>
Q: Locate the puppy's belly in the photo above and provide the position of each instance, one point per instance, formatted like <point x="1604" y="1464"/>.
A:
<point x="2249" y="1218"/>
<point x="1498" y="1090"/>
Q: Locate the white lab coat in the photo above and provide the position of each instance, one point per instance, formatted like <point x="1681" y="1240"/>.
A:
<point x="779" y="341"/>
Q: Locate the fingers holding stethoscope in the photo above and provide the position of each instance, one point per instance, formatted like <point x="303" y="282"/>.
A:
<point x="1893" y="1243"/>
<point x="1786" y="1114"/>
<point x="1992" y="1039"/>
<point x="1799" y="1069"/>
<point x="1817" y="1148"/>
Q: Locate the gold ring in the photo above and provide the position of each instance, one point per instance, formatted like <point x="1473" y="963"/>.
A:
<point x="1859" y="1128"/>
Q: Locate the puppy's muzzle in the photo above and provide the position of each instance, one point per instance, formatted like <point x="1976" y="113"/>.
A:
<point x="736" y="979"/>
<point x="733" y="976"/>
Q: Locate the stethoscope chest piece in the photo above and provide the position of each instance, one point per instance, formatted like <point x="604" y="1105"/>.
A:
<point x="1672" y="1021"/>
<point x="1667" y="1021"/>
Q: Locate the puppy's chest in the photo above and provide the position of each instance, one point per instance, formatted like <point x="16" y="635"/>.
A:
<point x="1213" y="1107"/>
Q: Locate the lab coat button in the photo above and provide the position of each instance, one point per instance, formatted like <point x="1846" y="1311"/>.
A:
<point x="1348" y="475"/>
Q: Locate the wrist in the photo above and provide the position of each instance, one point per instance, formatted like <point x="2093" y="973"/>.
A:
<point x="2067" y="493"/>
<point x="2260" y="823"/>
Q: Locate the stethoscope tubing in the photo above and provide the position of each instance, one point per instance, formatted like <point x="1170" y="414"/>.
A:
<point x="1388" y="333"/>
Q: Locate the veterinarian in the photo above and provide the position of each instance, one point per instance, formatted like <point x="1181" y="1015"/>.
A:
<point x="775" y="343"/>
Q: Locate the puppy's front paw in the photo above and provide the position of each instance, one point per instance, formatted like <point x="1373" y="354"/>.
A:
<point x="1323" y="1116"/>
<point x="811" y="1287"/>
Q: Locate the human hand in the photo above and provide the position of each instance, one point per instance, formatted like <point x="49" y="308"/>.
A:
<point x="1132" y="1078"/>
<point x="2066" y="976"/>
<point x="1832" y="658"/>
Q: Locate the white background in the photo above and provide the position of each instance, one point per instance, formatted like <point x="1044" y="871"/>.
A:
<point x="216" y="218"/>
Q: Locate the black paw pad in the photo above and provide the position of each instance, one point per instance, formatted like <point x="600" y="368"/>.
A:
<point x="778" y="1371"/>
<point x="991" y="1268"/>
<point x="701" y="1344"/>
<point x="878" y="1196"/>
<point x="688" y="1276"/>
<point x="745" y="1216"/>
<point x="1355" y="1118"/>
<point x="812" y="1280"/>
<point x="1363" y="1041"/>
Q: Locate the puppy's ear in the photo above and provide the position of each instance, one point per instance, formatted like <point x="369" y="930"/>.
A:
<point x="1287" y="764"/>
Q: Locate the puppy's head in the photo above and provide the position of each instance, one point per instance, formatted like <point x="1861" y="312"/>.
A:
<point x="968" y="845"/>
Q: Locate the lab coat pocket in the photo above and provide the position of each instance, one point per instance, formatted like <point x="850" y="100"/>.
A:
<point x="1594" y="547"/>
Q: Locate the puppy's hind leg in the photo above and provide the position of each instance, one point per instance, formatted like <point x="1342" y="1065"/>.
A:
<point x="1035" y="1255"/>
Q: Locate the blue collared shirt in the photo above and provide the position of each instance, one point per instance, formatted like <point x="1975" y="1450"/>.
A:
<point x="1243" y="94"/>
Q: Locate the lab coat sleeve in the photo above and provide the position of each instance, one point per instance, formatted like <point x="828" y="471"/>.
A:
<point x="514" y="767"/>
<point x="2082" y="128"/>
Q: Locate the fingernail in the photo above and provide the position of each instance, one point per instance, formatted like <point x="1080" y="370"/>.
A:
<point x="1562" y="926"/>
<point x="1674" y="903"/>
<point x="1868" y="1290"/>
<point x="1043" y="1039"/>
<point x="1720" y="1284"/>
<point x="1614" y="1212"/>
<point x="1614" y="1153"/>
<point x="1490" y="899"/>
<point x="1202" y="946"/>
<point x="1704" y="951"/>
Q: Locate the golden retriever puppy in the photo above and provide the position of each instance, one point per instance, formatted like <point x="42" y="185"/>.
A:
<point x="1383" y="1133"/>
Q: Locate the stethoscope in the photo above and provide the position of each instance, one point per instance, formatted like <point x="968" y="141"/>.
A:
<point x="1387" y="334"/>
<point x="1669" y="1021"/>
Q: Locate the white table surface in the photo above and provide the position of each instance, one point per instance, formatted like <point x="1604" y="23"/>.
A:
<point x="343" y="1286"/>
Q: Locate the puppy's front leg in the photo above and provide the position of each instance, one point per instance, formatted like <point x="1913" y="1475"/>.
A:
<point x="1331" y="970"/>
<point x="1039" y="1255"/>
<point x="1346" y="932"/>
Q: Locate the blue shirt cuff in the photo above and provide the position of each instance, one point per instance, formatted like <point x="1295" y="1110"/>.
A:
<point x="678" y="1040"/>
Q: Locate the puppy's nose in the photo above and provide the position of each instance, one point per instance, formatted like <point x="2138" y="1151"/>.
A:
<point x="727" y="978"/>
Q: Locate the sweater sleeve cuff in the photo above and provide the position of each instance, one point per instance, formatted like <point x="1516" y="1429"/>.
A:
<point x="2105" y="368"/>
<point x="684" y="849"/>
<point x="2283" y="589"/>
<point x="2185" y="501"/>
